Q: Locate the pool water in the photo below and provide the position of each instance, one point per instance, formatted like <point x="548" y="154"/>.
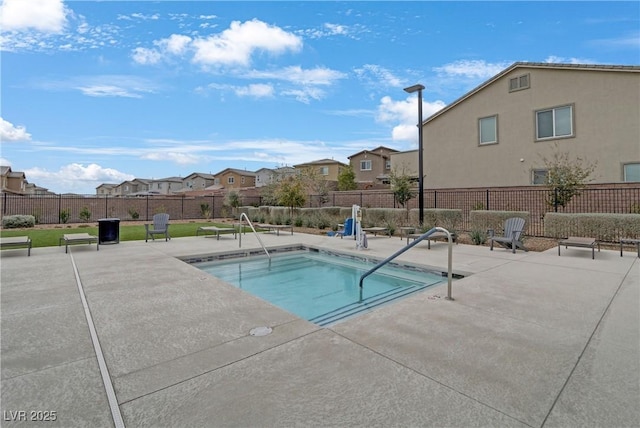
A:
<point x="320" y="287"/>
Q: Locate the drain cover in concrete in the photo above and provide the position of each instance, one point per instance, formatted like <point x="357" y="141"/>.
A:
<point x="260" y="331"/>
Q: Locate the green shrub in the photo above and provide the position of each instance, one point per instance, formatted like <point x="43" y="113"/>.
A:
<point x="602" y="226"/>
<point x="64" y="215"/>
<point x="18" y="221"/>
<point x="85" y="214"/>
<point x="134" y="214"/>
<point x="478" y="237"/>
<point x="494" y="220"/>
<point x="298" y="221"/>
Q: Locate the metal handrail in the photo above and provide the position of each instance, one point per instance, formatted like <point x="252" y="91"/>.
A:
<point x="254" y="231"/>
<point x="409" y="246"/>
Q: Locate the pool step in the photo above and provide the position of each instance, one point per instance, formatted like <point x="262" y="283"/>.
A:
<point x="366" y="305"/>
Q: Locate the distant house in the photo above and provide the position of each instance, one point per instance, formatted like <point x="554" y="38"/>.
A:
<point x="405" y="163"/>
<point x="132" y="187"/>
<point x="231" y="178"/>
<point x="372" y="166"/>
<point x="106" y="189"/>
<point x="197" y="181"/>
<point x="165" y="186"/>
<point x="12" y="181"/>
<point x="266" y="176"/>
<point x="498" y="133"/>
<point x="328" y="169"/>
<point x="32" y="189"/>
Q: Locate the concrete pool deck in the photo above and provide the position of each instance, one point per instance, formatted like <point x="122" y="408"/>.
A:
<point x="531" y="340"/>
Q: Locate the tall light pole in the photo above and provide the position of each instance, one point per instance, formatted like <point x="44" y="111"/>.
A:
<point x="411" y="89"/>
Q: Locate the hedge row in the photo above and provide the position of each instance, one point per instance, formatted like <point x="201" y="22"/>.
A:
<point x="604" y="227"/>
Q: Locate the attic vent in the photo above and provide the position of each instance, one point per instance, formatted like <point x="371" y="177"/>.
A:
<point x="519" y="83"/>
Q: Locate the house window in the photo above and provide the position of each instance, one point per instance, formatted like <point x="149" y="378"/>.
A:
<point x="242" y="180"/>
<point x="555" y="122"/>
<point x="230" y="180"/>
<point x="631" y="172"/>
<point x="540" y="176"/>
<point x="324" y="170"/>
<point x="387" y="164"/>
<point x="365" y="165"/>
<point x="519" y="83"/>
<point x="488" y="130"/>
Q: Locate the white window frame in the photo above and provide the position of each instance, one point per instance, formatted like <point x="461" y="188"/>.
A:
<point x="324" y="170"/>
<point x="554" y="125"/>
<point x="495" y="125"/>
<point x="231" y="179"/>
<point x="364" y="163"/>
<point x="387" y="164"/>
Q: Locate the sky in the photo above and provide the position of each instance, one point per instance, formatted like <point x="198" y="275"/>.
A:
<point x="99" y="92"/>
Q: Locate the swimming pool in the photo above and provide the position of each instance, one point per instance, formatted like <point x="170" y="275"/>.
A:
<point x="321" y="287"/>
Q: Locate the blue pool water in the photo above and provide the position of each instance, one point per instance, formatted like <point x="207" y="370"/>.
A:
<point x="320" y="287"/>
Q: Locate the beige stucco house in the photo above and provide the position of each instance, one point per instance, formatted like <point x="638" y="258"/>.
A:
<point x="132" y="187"/>
<point x="12" y="181"/>
<point x="372" y="166"/>
<point x="328" y="169"/>
<point x="232" y="178"/>
<point x="405" y="163"/>
<point x="166" y="186"/>
<point x="498" y="133"/>
<point x="197" y="181"/>
<point x="106" y="189"/>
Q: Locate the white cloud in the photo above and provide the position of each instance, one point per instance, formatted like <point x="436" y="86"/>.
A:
<point x="562" y="60"/>
<point x="9" y="132"/>
<point x="476" y="69"/>
<point x="76" y="177"/>
<point x="299" y="75"/>
<point x="176" y="44"/>
<point x="405" y="112"/>
<point x="5" y="162"/>
<point x="48" y="16"/>
<point x="377" y="76"/>
<point x="176" y="157"/>
<point x="256" y="90"/>
<point x="233" y="46"/>
<point x="107" y="85"/>
<point x="146" y="56"/>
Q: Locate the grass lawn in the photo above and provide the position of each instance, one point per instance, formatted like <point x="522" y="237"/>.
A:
<point x="51" y="237"/>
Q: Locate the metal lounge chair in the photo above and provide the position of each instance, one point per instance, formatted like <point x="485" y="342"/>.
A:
<point x="160" y="227"/>
<point x="513" y="230"/>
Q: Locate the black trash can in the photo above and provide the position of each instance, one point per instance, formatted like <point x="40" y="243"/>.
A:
<point x="108" y="230"/>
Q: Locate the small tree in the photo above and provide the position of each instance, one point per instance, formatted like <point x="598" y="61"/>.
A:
<point x="313" y="182"/>
<point x="291" y="194"/>
<point x="85" y="214"/>
<point x="347" y="179"/>
<point x="233" y="200"/>
<point x="401" y="187"/>
<point x="64" y="215"/>
<point x="205" y="211"/>
<point x="566" y="177"/>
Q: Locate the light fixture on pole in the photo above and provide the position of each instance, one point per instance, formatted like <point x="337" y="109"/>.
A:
<point x="411" y="89"/>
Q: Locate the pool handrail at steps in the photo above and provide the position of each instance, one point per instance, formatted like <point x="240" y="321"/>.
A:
<point x="254" y="232"/>
<point x="411" y="245"/>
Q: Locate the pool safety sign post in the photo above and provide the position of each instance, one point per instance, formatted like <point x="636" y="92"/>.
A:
<point x="361" y="237"/>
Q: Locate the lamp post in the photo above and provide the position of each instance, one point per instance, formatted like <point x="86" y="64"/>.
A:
<point x="411" y="89"/>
